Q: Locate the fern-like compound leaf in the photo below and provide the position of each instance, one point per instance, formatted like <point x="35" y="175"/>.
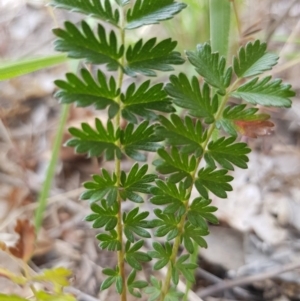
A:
<point x="94" y="8"/>
<point x="187" y="94"/>
<point x="227" y="153"/>
<point x="84" y="44"/>
<point x="177" y="164"/>
<point x="144" y="100"/>
<point x="192" y="233"/>
<point x="200" y="211"/>
<point x="233" y="115"/>
<point x="163" y="254"/>
<point x="167" y="224"/>
<point x="135" y="223"/>
<point x="104" y="215"/>
<point x="134" y="257"/>
<point x="213" y="180"/>
<point x="89" y="91"/>
<point x="96" y="141"/>
<point x="137" y="181"/>
<point x="167" y="193"/>
<point x="142" y="138"/>
<point x="253" y="59"/>
<point x="213" y="68"/>
<point x="145" y="12"/>
<point x="185" y="133"/>
<point x="101" y="186"/>
<point x="144" y="58"/>
<point x="265" y="92"/>
<point x="109" y="241"/>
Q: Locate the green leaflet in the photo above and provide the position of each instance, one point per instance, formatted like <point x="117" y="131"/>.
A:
<point x="89" y="91"/>
<point x="200" y="212"/>
<point x="167" y="193"/>
<point x="239" y="113"/>
<point x="185" y="268"/>
<point x="104" y="215"/>
<point x="253" y="59"/>
<point x="135" y="223"/>
<point x="265" y="92"/>
<point x="145" y="99"/>
<point x="133" y="285"/>
<point x="188" y="95"/>
<point x="145" y="57"/>
<point x="137" y="180"/>
<point x="162" y="253"/>
<point x="173" y="295"/>
<point x="177" y="164"/>
<point x="84" y="44"/>
<point x="96" y="141"/>
<point x="94" y="8"/>
<point x="209" y="65"/>
<point x="109" y="241"/>
<point x="192" y="233"/>
<point x="145" y="12"/>
<point x="133" y="256"/>
<point x="225" y="152"/>
<point x="113" y="277"/>
<point x="167" y="225"/>
<point x="213" y="180"/>
<point x="155" y="290"/>
<point x="185" y="133"/>
<point x="101" y="186"/>
<point x="142" y="138"/>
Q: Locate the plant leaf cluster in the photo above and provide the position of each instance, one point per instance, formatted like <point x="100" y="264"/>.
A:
<point x="190" y="155"/>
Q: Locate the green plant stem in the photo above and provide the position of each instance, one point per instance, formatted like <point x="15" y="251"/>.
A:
<point x="42" y="200"/>
<point x="193" y="259"/>
<point x="121" y="263"/>
<point x="167" y="281"/>
<point x="220" y="11"/>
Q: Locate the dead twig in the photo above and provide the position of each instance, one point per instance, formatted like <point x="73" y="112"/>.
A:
<point x="80" y="296"/>
<point x="227" y="284"/>
<point x="238" y="291"/>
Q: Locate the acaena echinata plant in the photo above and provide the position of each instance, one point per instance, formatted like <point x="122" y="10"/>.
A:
<point x="197" y="150"/>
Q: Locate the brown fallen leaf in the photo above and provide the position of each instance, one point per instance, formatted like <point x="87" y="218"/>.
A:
<point x="26" y="243"/>
<point x="254" y="128"/>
